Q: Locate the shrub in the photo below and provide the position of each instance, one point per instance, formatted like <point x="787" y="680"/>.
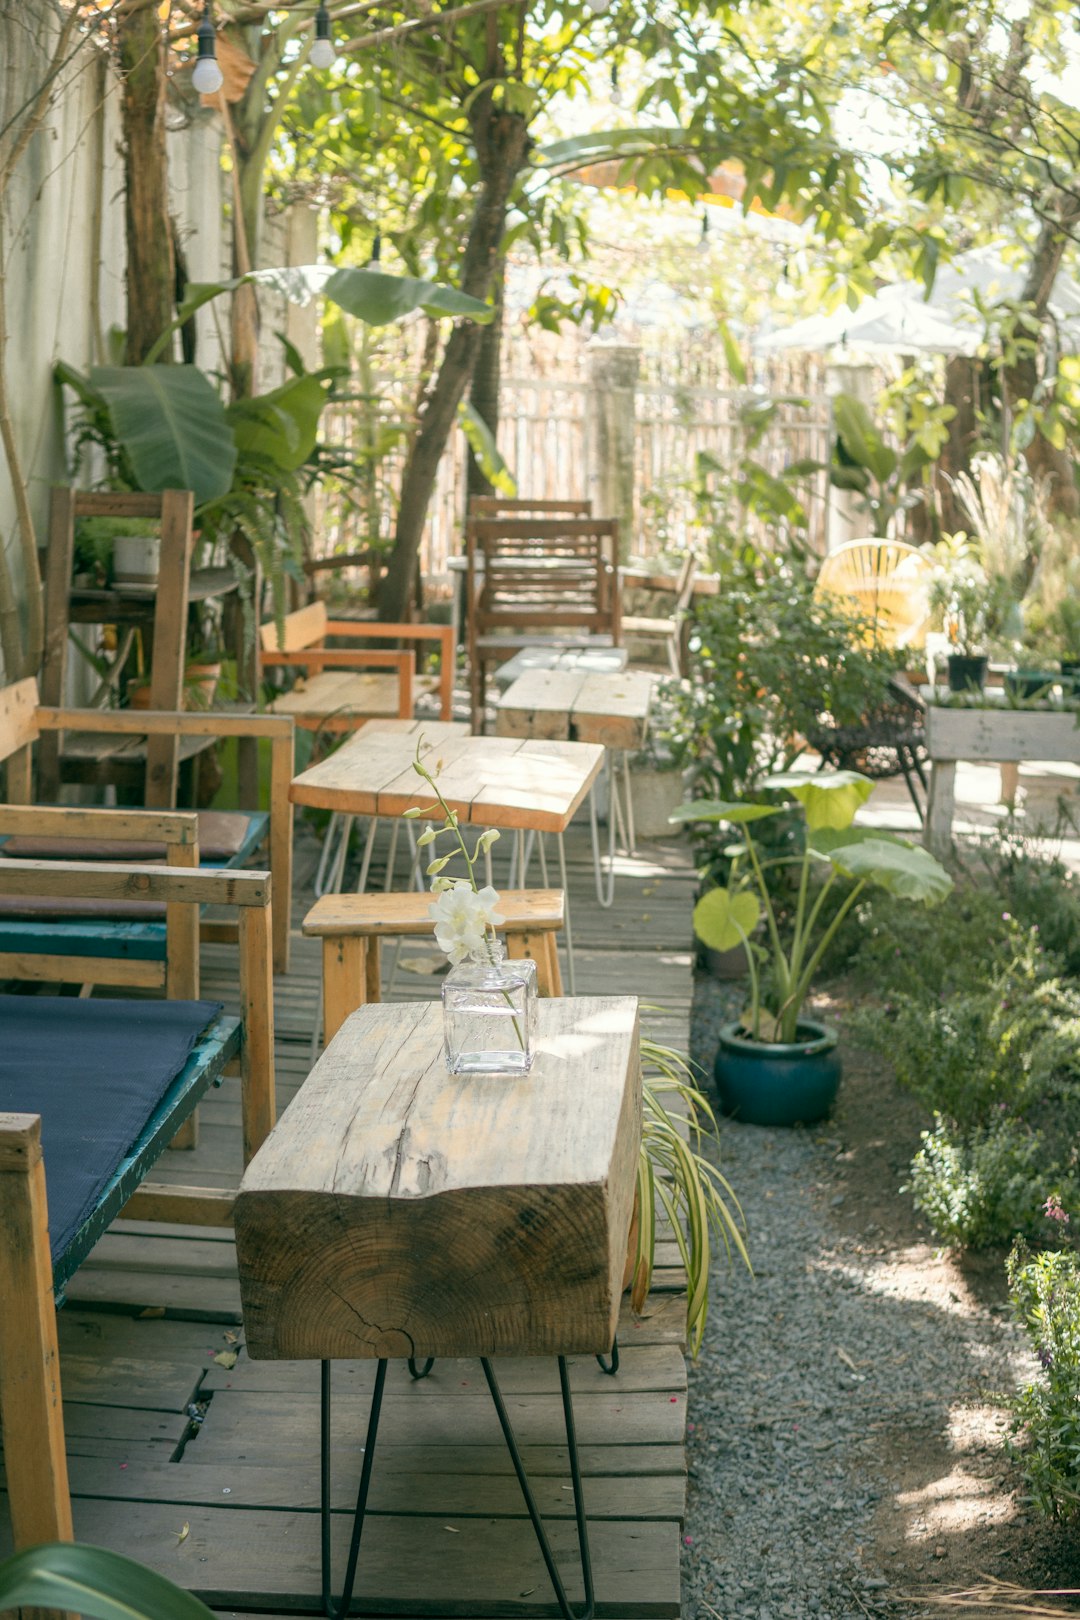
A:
<point x="984" y="1186"/>
<point x="1044" y="1292"/>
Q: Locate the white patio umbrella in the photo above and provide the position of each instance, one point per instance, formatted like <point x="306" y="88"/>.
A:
<point x="901" y="319"/>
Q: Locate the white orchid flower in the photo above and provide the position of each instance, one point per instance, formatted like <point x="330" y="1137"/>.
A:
<point x="463" y="916"/>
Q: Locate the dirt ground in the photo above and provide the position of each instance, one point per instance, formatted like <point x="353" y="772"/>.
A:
<point x="953" y="1516"/>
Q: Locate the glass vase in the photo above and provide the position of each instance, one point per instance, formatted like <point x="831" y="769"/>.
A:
<point x="489" y="1013"/>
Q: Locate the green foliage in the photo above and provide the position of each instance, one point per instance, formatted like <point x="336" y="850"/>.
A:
<point x="982" y="1187"/>
<point x="829" y="801"/>
<point x="678" y="1178"/>
<point x="1044" y="1292"/>
<point x="867" y="464"/>
<point x="92" y="1581"/>
<point x="768" y="658"/>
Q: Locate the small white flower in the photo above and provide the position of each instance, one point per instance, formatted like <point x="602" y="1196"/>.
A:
<point x="463" y="917"/>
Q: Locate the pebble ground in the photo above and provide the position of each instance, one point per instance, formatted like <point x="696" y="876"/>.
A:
<point x="804" y="1366"/>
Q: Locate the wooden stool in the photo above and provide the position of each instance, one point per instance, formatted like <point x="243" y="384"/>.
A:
<point x="353" y="926"/>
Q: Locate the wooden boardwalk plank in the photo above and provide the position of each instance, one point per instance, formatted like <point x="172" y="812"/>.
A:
<point x="270" y="1558"/>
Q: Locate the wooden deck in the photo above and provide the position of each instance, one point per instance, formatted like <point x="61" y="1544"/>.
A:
<point x="204" y="1464"/>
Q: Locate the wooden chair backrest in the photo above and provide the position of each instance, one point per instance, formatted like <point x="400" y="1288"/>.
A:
<point x="18" y="717"/>
<point x="300" y="630"/>
<point x="178" y="830"/>
<point x="543" y="573"/>
<point x="684" y="584"/>
<point x="493" y="506"/>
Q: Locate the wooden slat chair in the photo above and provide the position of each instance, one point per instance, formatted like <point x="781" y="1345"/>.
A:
<point x="537" y="581"/>
<point x="668" y="632"/>
<point x="91" y="1092"/>
<point x="228" y="839"/>
<point x="332" y="696"/>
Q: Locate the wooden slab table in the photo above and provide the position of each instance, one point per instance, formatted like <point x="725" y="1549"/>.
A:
<point x="520" y="785"/>
<point x="575" y="705"/>
<point x="587" y="660"/>
<point x="399" y="1211"/>
<point x="993" y="734"/>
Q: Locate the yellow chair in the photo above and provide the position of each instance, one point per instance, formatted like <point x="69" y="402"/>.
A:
<point x="887" y="581"/>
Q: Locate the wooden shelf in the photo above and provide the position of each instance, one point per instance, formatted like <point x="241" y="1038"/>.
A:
<point x="121" y="605"/>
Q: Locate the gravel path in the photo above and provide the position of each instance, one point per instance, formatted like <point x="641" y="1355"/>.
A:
<point x="839" y="1344"/>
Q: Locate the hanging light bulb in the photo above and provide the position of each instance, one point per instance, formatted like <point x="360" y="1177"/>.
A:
<point x="598" y="7"/>
<point x="323" y="54"/>
<point x="206" y="75"/>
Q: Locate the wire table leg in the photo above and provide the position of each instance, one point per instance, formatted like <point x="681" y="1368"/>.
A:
<point x="610" y="1365"/>
<point x="605" y="894"/>
<point x="565" y="1609"/>
<point x="569" y="938"/>
<point x="336" y="1611"/>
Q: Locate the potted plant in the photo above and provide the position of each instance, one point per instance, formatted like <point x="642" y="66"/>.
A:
<point x="776" y="1066"/>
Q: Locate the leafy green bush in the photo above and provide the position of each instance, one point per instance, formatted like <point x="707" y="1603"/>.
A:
<point x="1038" y="890"/>
<point x="983" y="1186"/>
<point x="1044" y="1291"/>
<point x="897" y="950"/>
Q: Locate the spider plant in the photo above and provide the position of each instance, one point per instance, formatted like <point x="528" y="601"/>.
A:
<point x="63" y="1576"/>
<point x="677" y="1180"/>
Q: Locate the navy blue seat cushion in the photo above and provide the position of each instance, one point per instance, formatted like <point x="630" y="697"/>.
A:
<point x="95" y="1071"/>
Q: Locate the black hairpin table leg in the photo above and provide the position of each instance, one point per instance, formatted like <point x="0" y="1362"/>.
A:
<point x="530" y="1501"/>
<point x="330" y="1609"/>
<point x="610" y="1366"/>
<point x="340" y="1609"/>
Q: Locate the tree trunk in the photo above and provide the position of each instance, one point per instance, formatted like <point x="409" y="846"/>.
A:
<point x="151" y="273"/>
<point x="486" y="381"/>
<point x="501" y="140"/>
<point x="1021" y="379"/>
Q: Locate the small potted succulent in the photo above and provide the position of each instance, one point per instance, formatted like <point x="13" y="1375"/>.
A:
<point x="776" y="1066"/>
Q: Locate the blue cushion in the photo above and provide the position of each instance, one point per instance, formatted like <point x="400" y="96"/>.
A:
<point x="95" y="1070"/>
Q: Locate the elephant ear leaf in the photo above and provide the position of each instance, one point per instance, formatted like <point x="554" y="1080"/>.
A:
<point x="721" y="810"/>
<point x="905" y="870"/>
<point x="92" y="1581"/>
<point x="830" y="799"/>
<point x="723" y="920"/>
<point x="172" y="426"/>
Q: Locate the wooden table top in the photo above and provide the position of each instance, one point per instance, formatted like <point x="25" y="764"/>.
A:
<point x="398" y="1209"/>
<point x="492" y="781"/>
<point x="590" y="660"/>
<point x="611" y="709"/>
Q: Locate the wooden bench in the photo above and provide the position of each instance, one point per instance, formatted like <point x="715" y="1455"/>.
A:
<point x="402" y="1211"/>
<point x="24" y="722"/>
<point x="335" y="697"/>
<point x="353" y="926"/>
<point x="154" y="1091"/>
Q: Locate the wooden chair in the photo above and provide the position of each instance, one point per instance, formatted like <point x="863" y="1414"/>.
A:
<point x="886" y="581"/>
<point x="529" y="581"/>
<point x="227" y="838"/>
<point x="353" y="926"/>
<point x="668" y="632"/>
<point x="155" y="1060"/>
<point x="335" y="697"/>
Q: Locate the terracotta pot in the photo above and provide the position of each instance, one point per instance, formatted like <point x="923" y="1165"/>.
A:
<point x="138" y="697"/>
<point x="200" y="684"/>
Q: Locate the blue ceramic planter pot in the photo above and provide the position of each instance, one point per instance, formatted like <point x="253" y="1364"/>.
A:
<point x="783" y="1084"/>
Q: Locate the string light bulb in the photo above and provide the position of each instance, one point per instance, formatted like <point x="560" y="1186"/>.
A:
<point x="206" y="76"/>
<point x="323" y="54"/>
<point x="598" y="7"/>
